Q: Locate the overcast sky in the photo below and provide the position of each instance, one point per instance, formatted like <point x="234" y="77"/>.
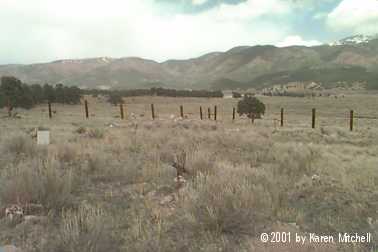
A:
<point x="47" y="30"/>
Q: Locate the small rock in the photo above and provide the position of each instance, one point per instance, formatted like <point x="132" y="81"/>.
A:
<point x="315" y="177"/>
<point x="112" y="125"/>
<point x="133" y="116"/>
<point x="14" y="211"/>
<point x="180" y="179"/>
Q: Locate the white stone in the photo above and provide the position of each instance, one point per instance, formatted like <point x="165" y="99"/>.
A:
<point x="43" y="137"/>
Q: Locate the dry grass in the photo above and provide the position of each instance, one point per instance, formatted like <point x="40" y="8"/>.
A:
<point x="113" y="188"/>
<point x="84" y="229"/>
<point x="37" y="181"/>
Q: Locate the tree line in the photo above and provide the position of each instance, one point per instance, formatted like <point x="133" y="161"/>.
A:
<point x="115" y="96"/>
<point x="156" y="91"/>
<point x="14" y="93"/>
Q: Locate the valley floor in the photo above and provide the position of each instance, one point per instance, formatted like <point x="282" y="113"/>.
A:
<point x="106" y="184"/>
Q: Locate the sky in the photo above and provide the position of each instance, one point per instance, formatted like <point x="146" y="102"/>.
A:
<point x="48" y="30"/>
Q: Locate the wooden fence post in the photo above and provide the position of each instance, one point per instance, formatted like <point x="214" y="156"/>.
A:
<point x="153" y="111"/>
<point x="351" y="120"/>
<point x="209" y="113"/>
<point x="182" y="111"/>
<point x="313" y="118"/>
<point x="233" y="114"/>
<point x="86" y="109"/>
<point x="50" y="113"/>
<point x="121" y="110"/>
<point x="9" y="107"/>
<point x="215" y="113"/>
<point x="253" y="118"/>
<point x="282" y="117"/>
<point x="201" y="112"/>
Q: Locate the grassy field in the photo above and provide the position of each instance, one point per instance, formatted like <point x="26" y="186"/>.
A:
<point x="106" y="184"/>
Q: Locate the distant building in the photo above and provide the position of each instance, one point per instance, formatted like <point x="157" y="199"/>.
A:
<point x="227" y="94"/>
<point x="103" y="87"/>
<point x="314" y="86"/>
<point x="295" y="87"/>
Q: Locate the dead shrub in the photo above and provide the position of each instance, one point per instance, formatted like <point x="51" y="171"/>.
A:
<point x="95" y="163"/>
<point x="88" y="228"/>
<point x="96" y="133"/>
<point x="19" y="145"/>
<point x="67" y="153"/>
<point x="228" y="203"/>
<point x="38" y="182"/>
<point x="202" y="162"/>
<point x="325" y="206"/>
<point x="81" y="130"/>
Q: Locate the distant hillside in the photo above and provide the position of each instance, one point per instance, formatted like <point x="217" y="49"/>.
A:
<point x="224" y="83"/>
<point x="354" y="59"/>
<point x="329" y="77"/>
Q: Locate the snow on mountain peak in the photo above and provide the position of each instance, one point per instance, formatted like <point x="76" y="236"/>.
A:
<point x="355" y="40"/>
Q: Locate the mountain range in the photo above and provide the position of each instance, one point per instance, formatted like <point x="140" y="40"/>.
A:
<point x="351" y="60"/>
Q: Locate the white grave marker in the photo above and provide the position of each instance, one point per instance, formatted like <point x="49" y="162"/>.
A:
<point x="43" y="137"/>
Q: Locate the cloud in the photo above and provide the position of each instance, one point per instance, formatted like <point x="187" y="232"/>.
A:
<point x="297" y="40"/>
<point x="320" y="16"/>
<point x="199" y="2"/>
<point x="312" y="4"/>
<point x="253" y="9"/>
<point x="355" y="16"/>
<point x="44" y="30"/>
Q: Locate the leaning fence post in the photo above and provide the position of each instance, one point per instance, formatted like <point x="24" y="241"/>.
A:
<point x="50" y="114"/>
<point x="313" y="118"/>
<point x="282" y="117"/>
<point x="209" y="113"/>
<point x="215" y="113"/>
<point x="233" y="114"/>
<point x="121" y="111"/>
<point x="201" y="112"/>
<point x="86" y="109"/>
<point x="153" y="111"/>
<point x="182" y="111"/>
<point x="351" y="120"/>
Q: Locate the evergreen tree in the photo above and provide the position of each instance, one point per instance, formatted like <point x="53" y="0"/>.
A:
<point x="14" y="94"/>
<point x="236" y="95"/>
<point x="48" y="93"/>
<point x="37" y="93"/>
<point x="60" y="94"/>
<point x="250" y="105"/>
<point x="115" y="98"/>
<point x="72" y="95"/>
